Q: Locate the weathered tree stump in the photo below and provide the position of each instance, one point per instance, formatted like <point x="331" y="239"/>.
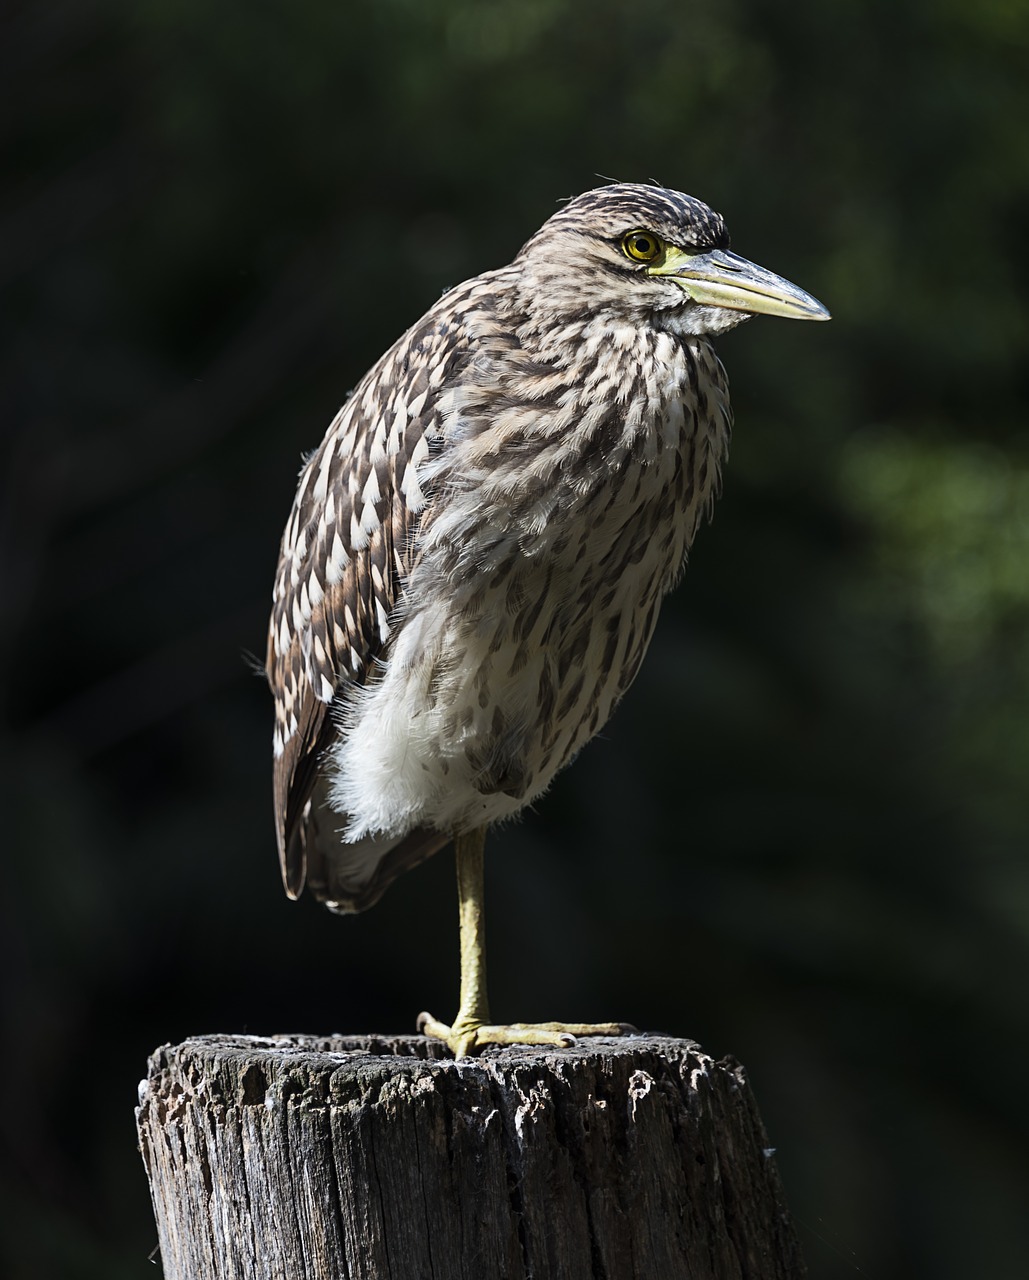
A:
<point x="295" y="1158"/>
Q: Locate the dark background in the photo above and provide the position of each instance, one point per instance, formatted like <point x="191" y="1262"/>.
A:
<point x="803" y="838"/>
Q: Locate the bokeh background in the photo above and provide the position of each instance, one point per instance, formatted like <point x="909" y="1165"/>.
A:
<point x="803" y="839"/>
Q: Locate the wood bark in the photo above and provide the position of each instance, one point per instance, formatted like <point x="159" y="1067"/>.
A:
<point x="381" y="1158"/>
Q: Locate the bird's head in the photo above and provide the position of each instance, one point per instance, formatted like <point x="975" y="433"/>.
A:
<point x="647" y="252"/>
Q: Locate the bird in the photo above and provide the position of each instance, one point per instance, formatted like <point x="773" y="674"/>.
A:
<point x="478" y="550"/>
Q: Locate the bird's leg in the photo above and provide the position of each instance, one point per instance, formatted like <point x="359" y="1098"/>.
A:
<point x="471" y="1028"/>
<point x="473" y="1013"/>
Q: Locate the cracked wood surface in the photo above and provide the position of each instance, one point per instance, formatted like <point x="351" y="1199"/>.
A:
<point x="381" y="1158"/>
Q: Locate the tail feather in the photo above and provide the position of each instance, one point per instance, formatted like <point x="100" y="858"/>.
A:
<point x="352" y="877"/>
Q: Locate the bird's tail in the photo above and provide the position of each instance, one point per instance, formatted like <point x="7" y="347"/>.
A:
<point x="352" y="877"/>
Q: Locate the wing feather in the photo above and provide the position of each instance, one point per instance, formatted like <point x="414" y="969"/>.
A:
<point x="346" y="552"/>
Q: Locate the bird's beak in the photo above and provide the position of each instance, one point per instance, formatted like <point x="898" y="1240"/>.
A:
<point x="722" y="279"/>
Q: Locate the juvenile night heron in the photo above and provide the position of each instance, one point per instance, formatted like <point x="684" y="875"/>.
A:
<point x="478" y="550"/>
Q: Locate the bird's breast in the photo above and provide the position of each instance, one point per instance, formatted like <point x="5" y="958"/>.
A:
<point x="541" y="563"/>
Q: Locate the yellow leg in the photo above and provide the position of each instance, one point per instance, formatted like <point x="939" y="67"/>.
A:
<point x="472" y="1028"/>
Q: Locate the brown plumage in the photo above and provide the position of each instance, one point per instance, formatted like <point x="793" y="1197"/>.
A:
<point x="476" y="556"/>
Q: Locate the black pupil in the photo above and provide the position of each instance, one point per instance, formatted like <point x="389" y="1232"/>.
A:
<point x="644" y="246"/>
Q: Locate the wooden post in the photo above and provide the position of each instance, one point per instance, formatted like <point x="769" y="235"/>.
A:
<point x="361" y="1157"/>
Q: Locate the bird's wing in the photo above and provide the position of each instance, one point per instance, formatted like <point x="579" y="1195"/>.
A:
<point x="346" y="551"/>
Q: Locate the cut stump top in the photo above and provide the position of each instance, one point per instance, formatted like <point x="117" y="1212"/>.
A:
<point x="381" y="1156"/>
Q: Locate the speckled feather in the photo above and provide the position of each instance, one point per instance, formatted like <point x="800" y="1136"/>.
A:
<point x="475" y="559"/>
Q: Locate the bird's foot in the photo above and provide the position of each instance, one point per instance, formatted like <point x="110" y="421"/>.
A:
<point x="466" y="1037"/>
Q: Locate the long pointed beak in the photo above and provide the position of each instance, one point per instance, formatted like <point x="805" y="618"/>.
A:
<point x="722" y="279"/>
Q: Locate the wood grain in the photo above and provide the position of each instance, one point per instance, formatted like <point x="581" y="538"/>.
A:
<point x="381" y="1158"/>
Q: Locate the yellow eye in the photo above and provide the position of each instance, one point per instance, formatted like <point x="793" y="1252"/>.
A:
<point x="641" y="246"/>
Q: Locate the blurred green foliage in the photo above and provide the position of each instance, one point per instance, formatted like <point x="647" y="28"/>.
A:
<point x="804" y="837"/>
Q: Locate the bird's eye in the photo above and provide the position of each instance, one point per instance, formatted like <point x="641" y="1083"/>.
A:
<point x="641" y="246"/>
